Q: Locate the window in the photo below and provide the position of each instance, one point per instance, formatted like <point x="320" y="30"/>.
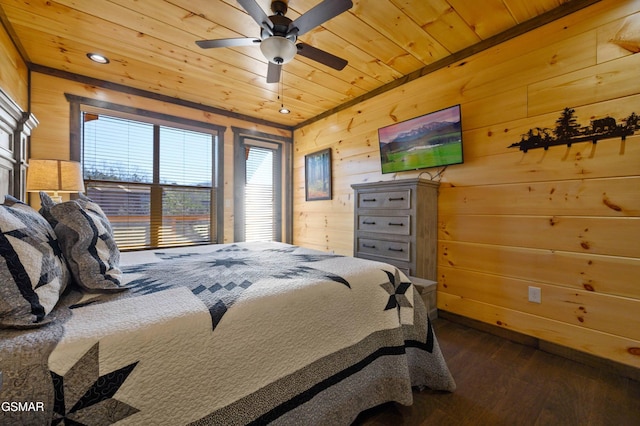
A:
<point x="155" y="183"/>
<point x="262" y="189"/>
<point x="259" y="194"/>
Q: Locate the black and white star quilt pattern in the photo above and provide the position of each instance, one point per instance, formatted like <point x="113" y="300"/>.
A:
<point x="397" y="289"/>
<point x="245" y="333"/>
<point x="87" y="241"/>
<point x="218" y="278"/>
<point x="83" y="394"/>
<point x="33" y="271"/>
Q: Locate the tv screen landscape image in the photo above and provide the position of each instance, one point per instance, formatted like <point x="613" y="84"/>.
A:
<point x="430" y="140"/>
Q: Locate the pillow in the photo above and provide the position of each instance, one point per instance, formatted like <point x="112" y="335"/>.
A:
<point x="33" y="272"/>
<point x="86" y="240"/>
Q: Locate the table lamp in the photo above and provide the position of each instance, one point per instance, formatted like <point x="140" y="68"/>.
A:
<point x="57" y="176"/>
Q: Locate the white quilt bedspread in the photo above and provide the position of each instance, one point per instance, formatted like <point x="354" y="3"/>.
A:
<point x="245" y="333"/>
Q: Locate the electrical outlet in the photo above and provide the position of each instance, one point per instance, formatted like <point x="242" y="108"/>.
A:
<point x="535" y="295"/>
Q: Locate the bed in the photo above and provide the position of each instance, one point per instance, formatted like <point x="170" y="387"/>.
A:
<point x="233" y="334"/>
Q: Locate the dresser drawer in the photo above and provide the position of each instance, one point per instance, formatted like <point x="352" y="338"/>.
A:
<point x="399" y="250"/>
<point x="402" y="266"/>
<point x="394" y="222"/>
<point x="385" y="200"/>
<point x="396" y="225"/>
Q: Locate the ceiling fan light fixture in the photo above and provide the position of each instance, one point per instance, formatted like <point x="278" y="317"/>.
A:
<point x="278" y="50"/>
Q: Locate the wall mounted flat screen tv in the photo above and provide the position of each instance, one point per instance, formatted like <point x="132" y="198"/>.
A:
<point x="431" y="140"/>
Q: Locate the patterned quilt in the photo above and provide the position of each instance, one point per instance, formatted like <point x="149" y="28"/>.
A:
<point x="229" y="334"/>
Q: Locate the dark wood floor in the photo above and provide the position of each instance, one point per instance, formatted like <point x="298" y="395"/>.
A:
<point x="500" y="382"/>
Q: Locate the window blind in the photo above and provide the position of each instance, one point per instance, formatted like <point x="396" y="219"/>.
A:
<point x="153" y="182"/>
<point x="115" y="149"/>
<point x="128" y="208"/>
<point x="259" y="217"/>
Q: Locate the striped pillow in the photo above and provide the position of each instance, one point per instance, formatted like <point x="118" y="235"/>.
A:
<point x="33" y="272"/>
<point x="86" y="239"/>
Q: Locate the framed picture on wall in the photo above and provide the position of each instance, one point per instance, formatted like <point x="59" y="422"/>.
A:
<point x="317" y="175"/>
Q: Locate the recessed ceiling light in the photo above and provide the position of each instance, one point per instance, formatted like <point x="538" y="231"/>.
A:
<point x="96" y="57"/>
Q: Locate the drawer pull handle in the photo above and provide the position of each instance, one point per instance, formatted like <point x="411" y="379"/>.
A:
<point x="368" y="200"/>
<point x="368" y="246"/>
<point x="396" y="224"/>
<point x="365" y="222"/>
<point x="395" y="249"/>
<point x="396" y="199"/>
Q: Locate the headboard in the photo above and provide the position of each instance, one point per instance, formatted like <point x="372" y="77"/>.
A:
<point x="15" y="130"/>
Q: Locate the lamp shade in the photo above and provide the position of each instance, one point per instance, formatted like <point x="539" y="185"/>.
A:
<point x="278" y="50"/>
<point x="54" y="176"/>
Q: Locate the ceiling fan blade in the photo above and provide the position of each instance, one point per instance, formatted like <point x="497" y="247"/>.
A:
<point x="319" y="14"/>
<point x="228" y="42"/>
<point x="321" y="56"/>
<point x="273" y="73"/>
<point x="256" y="13"/>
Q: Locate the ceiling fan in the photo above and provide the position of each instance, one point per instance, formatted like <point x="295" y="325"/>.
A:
<point x="278" y="34"/>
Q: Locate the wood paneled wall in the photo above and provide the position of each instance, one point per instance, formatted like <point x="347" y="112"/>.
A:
<point x="566" y="220"/>
<point x="14" y="77"/>
<point x="51" y="138"/>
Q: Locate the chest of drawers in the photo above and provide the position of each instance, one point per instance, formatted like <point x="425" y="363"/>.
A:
<point x="396" y="222"/>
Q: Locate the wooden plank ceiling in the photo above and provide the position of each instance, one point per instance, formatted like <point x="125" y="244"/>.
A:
<point x="151" y="46"/>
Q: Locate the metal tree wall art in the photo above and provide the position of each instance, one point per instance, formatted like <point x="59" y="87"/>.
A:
<point x="568" y="131"/>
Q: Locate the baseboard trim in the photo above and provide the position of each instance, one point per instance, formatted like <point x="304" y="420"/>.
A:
<point x="543" y="345"/>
